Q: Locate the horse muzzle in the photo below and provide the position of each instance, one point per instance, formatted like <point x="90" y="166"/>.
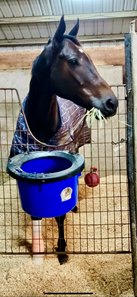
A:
<point x="108" y="106"/>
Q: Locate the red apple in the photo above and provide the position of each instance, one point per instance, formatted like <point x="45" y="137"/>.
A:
<point x="92" y="178"/>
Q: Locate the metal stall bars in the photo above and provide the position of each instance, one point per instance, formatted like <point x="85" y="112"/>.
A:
<point x="11" y="216"/>
<point x="107" y="205"/>
<point x="101" y="224"/>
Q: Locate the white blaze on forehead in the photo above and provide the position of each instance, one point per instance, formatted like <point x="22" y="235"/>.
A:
<point x="86" y="91"/>
<point x="81" y="50"/>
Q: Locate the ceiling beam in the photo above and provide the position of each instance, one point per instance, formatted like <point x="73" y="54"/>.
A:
<point x="48" y="19"/>
<point x="43" y="41"/>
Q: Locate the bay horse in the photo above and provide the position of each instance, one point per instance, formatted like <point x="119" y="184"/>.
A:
<point x="62" y="70"/>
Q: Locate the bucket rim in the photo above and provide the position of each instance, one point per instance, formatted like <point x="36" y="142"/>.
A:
<point x="14" y="166"/>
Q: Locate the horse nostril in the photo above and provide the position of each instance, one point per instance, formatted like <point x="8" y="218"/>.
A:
<point x="109" y="104"/>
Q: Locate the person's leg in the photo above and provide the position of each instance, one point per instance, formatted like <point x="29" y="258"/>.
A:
<point x="37" y="240"/>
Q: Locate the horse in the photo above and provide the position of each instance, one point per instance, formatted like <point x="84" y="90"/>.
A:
<point x="62" y="75"/>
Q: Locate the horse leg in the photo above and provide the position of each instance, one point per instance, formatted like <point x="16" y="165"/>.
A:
<point x="37" y="240"/>
<point x="62" y="256"/>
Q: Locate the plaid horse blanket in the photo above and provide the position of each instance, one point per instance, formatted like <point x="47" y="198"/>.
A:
<point x="73" y="129"/>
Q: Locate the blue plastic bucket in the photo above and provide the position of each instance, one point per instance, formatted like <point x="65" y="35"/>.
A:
<point x="47" y="181"/>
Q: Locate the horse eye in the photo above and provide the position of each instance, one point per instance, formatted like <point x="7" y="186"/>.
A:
<point x="73" y="61"/>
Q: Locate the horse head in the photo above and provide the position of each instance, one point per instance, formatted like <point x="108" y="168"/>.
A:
<point x="73" y="75"/>
<point x="65" y="70"/>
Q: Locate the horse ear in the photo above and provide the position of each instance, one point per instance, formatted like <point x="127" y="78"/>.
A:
<point x="49" y="41"/>
<point x="75" y="29"/>
<point x="60" y="30"/>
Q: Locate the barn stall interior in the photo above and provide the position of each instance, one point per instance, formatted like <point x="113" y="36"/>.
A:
<point x="99" y="241"/>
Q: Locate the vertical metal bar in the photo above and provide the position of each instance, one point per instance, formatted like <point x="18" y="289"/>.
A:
<point x="120" y="182"/>
<point x="100" y="212"/>
<point x="12" y="233"/>
<point x="94" y="221"/>
<point x="18" y="211"/>
<point x="113" y="181"/>
<point x="106" y="189"/>
<point x="131" y="158"/>
<point x="86" y="210"/>
<point x="3" y="194"/>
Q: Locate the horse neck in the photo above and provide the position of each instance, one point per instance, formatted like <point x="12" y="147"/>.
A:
<point x="42" y="110"/>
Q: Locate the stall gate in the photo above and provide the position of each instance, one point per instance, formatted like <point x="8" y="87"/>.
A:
<point x="102" y="223"/>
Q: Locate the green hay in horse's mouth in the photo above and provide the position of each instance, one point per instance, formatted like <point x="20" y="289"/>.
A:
<point x="93" y="114"/>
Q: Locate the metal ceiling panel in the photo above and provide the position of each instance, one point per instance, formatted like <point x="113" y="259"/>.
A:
<point x="129" y="5"/>
<point x="118" y="5"/>
<point x="77" y="6"/>
<point x="25" y="31"/>
<point x="25" y="7"/>
<point x="52" y="28"/>
<point x="1" y="15"/>
<point x="45" y="7"/>
<point x="125" y="25"/>
<point x="104" y="27"/>
<point x="18" y="8"/>
<point x="5" y="9"/>
<point x="117" y="26"/>
<point x="107" y="6"/>
<point x="1" y="34"/>
<point x="35" y="27"/>
<point x="43" y="30"/>
<point x="90" y="27"/>
<point x="96" y="6"/>
<point x="108" y="27"/>
<point x="67" y="6"/>
<point x="135" y="5"/>
<point x="56" y="7"/>
<point x="70" y="24"/>
<point x="87" y="27"/>
<point x="35" y="7"/>
<point x="7" y="32"/>
<point x="15" y="8"/>
<point x="86" y="7"/>
<point x="16" y="32"/>
<point x="100" y="27"/>
<point x="81" y="28"/>
<point x="34" y="31"/>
